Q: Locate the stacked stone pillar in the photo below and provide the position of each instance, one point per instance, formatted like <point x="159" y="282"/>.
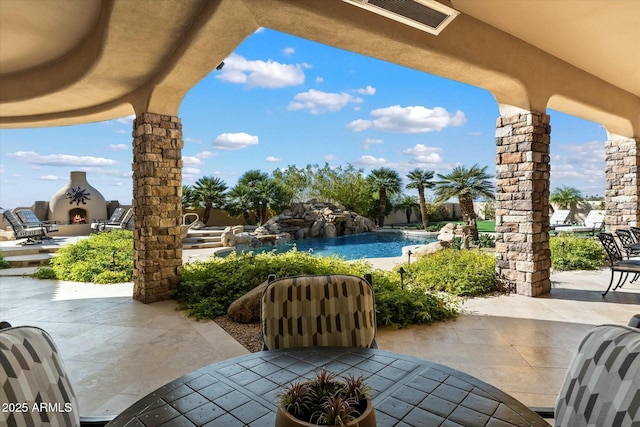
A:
<point x="157" y="189"/>
<point x="523" y="257"/>
<point x="621" y="193"/>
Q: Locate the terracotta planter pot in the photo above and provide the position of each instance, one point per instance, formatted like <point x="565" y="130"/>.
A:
<point x="367" y="419"/>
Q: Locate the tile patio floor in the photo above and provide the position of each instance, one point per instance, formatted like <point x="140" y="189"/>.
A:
<point x="117" y="350"/>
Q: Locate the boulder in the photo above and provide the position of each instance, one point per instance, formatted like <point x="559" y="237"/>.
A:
<point x="330" y="230"/>
<point x="428" y="249"/>
<point x="246" y="309"/>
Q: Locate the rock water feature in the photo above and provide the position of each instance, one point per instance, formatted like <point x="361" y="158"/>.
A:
<point x="303" y="220"/>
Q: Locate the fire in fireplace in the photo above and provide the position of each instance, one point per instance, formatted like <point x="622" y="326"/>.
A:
<point x="77" y="216"/>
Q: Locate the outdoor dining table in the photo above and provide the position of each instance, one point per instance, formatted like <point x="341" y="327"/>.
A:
<point x="406" y="391"/>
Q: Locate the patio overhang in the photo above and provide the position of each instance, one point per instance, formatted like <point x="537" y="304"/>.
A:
<point x="75" y="61"/>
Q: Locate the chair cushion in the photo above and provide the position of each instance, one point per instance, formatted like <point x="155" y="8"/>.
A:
<point x="602" y="384"/>
<point x="34" y="381"/>
<point x="316" y="311"/>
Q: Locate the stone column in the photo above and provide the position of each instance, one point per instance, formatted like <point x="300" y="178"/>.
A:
<point x="621" y="190"/>
<point x="157" y="192"/>
<point x="523" y="257"/>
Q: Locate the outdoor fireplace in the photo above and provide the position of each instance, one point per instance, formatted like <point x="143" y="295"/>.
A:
<point x="77" y="204"/>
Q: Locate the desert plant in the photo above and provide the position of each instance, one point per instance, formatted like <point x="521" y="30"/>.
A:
<point x="326" y="399"/>
<point x="4" y="263"/>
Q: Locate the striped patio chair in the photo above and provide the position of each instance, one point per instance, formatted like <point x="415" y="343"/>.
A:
<point x="33" y="235"/>
<point x="317" y="311"/>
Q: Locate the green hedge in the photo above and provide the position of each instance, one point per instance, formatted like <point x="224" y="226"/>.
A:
<point x="570" y="252"/>
<point x="207" y="288"/>
<point x="101" y="258"/>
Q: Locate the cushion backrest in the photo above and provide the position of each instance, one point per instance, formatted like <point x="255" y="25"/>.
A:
<point x="318" y="311"/>
<point x="595" y="219"/>
<point x="559" y="217"/>
<point x="602" y="384"/>
<point x="33" y="376"/>
<point x="13" y="220"/>
<point x="28" y="217"/>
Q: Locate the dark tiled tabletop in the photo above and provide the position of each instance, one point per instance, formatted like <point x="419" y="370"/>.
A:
<point x="406" y="391"/>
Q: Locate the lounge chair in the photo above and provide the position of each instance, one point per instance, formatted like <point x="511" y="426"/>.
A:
<point x="592" y="223"/>
<point x="601" y="385"/>
<point x="123" y="224"/>
<point x="318" y="311"/>
<point x="559" y="218"/>
<point x="33" y="373"/>
<point x="33" y="235"/>
<point x="115" y="219"/>
<point x="617" y="262"/>
<point x="29" y="219"/>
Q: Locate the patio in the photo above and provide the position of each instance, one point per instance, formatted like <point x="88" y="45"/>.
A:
<point x="118" y="350"/>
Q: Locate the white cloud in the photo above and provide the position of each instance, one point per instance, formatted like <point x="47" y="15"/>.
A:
<point x="287" y="51"/>
<point x="258" y="73"/>
<point x="273" y="159"/>
<point x="318" y="102"/>
<point x="128" y="120"/>
<point x="193" y="140"/>
<point x="191" y="174"/>
<point x="424" y="156"/>
<point x="371" y="161"/>
<point x="117" y="147"/>
<point x="205" y="154"/>
<point x="369" y="90"/>
<point x="319" y="80"/>
<point x="50" y="178"/>
<point x="234" y="141"/>
<point x="370" y="141"/>
<point x="414" y="119"/>
<point x="476" y="133"/>
<point x="585" y="162"/>
<point x="330" y="157"/>
<point x="61" y="159"/>
<point x="191" y="161"/>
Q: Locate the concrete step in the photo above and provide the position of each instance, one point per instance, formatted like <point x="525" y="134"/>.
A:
<point x="36" y="260"/>
<point x="200" y="245"/>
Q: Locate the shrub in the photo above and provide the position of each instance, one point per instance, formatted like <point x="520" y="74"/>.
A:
<point x="486" y="241"/>
<point x="576" y="253"/>
<point x="207" y="288"/>
<point x="45" y="273"/>
<point x="463" y="273"/>
<point x="101" y="258"/>
<point x="4" y="263"/>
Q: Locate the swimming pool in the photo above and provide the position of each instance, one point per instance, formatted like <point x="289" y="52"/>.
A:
<point x="356" y="246"/>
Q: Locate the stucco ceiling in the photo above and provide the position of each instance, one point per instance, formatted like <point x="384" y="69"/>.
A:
<point x="73" y="61"/>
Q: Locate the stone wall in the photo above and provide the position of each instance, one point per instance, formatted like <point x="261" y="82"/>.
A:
<point x="157" y="189"/>
<point x="523" y="257"/>
<point x="621" y="194"/>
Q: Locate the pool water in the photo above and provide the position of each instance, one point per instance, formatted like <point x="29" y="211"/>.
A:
<point x="356" y="246"/>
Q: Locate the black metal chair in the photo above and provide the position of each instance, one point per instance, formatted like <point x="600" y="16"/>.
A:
<point x="33" y="235"/>
<point x="635" y="231"/>
<point x="617" y="262"/>
<point x="628" y="242"/>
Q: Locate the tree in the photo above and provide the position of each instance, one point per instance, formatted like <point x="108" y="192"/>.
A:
<point x="409" y="204"/>
<point x="189" y="197"/>
<point x="386" y="182"/>
<point x="421" y="179"/>
<point x="295" y="181"/>
<point x="257" y="192"/>
<point x="209" y="192"/>
<point x="466" y="185"/>
<point x="347" y="186"/>
<point x="566" y="197"/>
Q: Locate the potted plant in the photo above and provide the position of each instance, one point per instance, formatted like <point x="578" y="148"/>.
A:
<point x="326" y="400"/>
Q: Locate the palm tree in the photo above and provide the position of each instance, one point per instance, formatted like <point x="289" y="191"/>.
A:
<point x="566" y="197"/>
<point x="409" y="204"/>
<point x="239" y="202"/>
<point x="467" y="185"/>
<point x="386" y="182"/>
<point x="189" y="197"/>
<point x="421" y="179"/>
<point x="210" y="193"/>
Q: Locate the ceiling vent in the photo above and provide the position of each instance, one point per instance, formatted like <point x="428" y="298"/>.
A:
<point x="426" y="15"/>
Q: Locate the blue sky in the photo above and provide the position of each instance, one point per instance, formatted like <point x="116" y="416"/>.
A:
<point x="281" y="100"/>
